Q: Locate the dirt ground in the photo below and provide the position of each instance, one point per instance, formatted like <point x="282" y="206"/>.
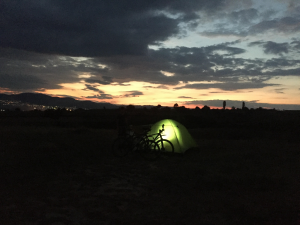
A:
<point x="56" y="176"/>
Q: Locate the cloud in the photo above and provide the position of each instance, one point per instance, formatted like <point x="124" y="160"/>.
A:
<point x="244" y="16"/>
<point x="162" y="87"/>
<point x="133" y="94"/>
<point x="223" y="32"/>
<point x="234" y="22"/>
<point x="95" y="28"/>
<point x="249" y="21"/>
<point x="105" y="80"/>
<point x="271" y="47"/>
<point x="287" y="72"/>
<point x="101" y="96"/>
<point x="220" y="62"/>
<point x="50" y="70"/>
<point x="296" y="45"/>
<point x="282" y="25"/>
<point x="184" y="97"/>
<point x="281" y="63"/>
<point x="92" y="88"/>
<point x="280" y="90"/>
<point x="227" y="86"/>
<point x="21" y="82"/>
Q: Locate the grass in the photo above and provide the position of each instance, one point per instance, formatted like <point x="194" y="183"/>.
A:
<point x="68" y="175"/>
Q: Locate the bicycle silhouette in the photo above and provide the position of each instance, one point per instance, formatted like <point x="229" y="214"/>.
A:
<point x="164" y="144"/>
<point x="150" y="146"/>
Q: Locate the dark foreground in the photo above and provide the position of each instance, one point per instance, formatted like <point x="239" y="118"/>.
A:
<point x="54" y="175"/>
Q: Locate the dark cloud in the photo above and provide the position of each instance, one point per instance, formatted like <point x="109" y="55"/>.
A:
<point x="281" y="62"/>
<point x="271" y="47"/>
<point x="243" y="17"/>
<point x="49" y="70"/>
<point x="94" y="28"/>
<point x="162" y="87"/>
<point x="280" y="90"/>
<point x="52" y="70"/>
<point x="251" y="22"/>
<point x="282" y="25"/>
<point x="189" y="64"/>
<point x="223" y="31"/>
<point x="296" y="45"/>
<point x="211" y="63"/>
<point x="260" y="43"/>
<point x="275" y="48"/>
<point x="105" y="80"/>
<point x="183" y="97"/>
<point x="230" y="51"/>
<point x="133" y="93"/>
<point x="21" y="82"/>
<point x="233" y="23"/>
<point x="285" y="72"/>
<point x="226" y="86"/>
<point x="93" y="88"/>
<point x="100" y="96"/>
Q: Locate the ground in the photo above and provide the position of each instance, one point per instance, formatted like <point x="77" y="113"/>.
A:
<point x="60" y="175"/>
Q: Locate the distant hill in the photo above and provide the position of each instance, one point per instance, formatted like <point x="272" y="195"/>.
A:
<point x="46" y="100"/>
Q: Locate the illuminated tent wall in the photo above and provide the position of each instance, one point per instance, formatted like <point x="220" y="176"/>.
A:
<point x="176" y="133"/>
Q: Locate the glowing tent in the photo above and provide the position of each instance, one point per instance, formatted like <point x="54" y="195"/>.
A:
<point x="176" y="133"/>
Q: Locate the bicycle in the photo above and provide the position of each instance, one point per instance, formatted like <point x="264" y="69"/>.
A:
<point x="149" y="149"/>
<point x="163" y="144"/>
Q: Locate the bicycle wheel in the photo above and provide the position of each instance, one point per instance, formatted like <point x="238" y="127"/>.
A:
<point x="121" y="147"/>
<point x="165" y="145"/>
<point x="149" y="149"/>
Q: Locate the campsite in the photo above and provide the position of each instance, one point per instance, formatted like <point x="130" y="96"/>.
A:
<point x="57" y="168"/>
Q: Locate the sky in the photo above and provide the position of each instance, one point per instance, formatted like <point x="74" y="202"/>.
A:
<point x="151" y="52"/>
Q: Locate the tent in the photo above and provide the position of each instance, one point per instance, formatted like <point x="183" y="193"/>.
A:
<point x="176" y="133"/>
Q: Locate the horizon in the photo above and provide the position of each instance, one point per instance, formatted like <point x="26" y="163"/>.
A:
<point x="191" y="52"/>
<point x="248" y="106"/>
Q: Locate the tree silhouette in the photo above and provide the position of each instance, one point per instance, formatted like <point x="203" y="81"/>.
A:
<point x="224" y="105"/>
<point x="205" y="108"/>
<point x="130" y="107"/>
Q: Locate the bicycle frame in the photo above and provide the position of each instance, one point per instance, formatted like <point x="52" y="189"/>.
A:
<point x="158" y="137"/>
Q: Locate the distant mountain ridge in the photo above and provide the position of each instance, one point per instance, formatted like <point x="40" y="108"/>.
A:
<point x="46" y="100"/>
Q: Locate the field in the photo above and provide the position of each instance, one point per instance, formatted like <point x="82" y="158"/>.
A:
<point x="60" y="170"/>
